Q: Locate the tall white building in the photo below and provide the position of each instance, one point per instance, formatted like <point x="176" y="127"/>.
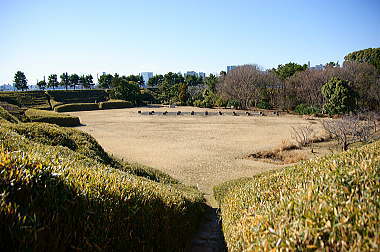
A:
<point x="202" y="74"/>
<point x="146" y="76"/>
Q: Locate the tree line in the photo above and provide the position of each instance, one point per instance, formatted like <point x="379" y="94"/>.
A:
<point x="66" y="80"/>
<point x="334" y="89"/>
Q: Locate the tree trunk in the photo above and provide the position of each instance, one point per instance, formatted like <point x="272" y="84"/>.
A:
<point x="345" y="146"/>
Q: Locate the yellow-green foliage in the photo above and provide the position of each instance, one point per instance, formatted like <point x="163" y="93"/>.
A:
<point x="5" y="115"/>
<point x="329" y="203"/>
<point x="84" y="144"/>
<point x="36" y="115"/>
<point x="28" y="99"/>
<point x="76" y="107"/>
<point x="115" y="104"/>
<point x="53" y="198"/>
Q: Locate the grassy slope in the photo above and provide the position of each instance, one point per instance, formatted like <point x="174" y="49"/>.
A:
<point x="332" y="202"/>
<point x="80" y="200"/>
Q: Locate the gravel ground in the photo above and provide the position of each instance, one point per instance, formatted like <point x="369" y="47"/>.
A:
<point x="198" y="150"/>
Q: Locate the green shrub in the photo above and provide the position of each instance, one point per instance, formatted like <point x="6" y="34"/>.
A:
<point x="56" y="199"/>
<point x="5" y="115"/>
<point x="233" y="103"/>
<point x="76" y="107"/>
<point x="36" y="115"/>
<point x="327" y="203"/>
<point x="115" y="104"/>
<point x="78" y="96"/>
<point x="263" y="105"/>
<point x="220" y="102"/>
<point x="304" y="109"/>
<point x="198" y="103"/>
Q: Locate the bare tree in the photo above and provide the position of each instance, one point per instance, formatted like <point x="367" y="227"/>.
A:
<point x="365" y="81"/>
<point x="305" y="86"/>
<point x="349" y="129"/>
<point x="245" y="84"/>
<point x="302" y="135"/>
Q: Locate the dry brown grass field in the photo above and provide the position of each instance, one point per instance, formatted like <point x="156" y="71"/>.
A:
<point x="198" y="150"/>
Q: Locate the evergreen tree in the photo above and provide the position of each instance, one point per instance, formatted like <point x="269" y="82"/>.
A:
<point x="20" y="81"/>
<point x="53" y="81"/>
<point x="340" y="98"/>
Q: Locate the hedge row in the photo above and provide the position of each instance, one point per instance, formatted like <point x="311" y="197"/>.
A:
<point x="30" y="99"/>
<point x="36" y="115"/>
<point x="76" y="107"/>
<point x="112" y="104"/>
<point x="78" y="96"/>
<point x="331" y="203"/>
<point x="40" y="99"/>
<point x="115" y="104"/>
<point x="55" y="198"/>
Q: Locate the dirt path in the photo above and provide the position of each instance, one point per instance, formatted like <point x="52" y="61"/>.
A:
<point x="209" y="237"/>
<point x="198" y="150"/>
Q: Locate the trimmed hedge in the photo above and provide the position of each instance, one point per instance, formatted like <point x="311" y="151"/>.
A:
<point x="115" y="104"/>
<point x="36" y="115"/>
<point x="52" y="135"/>
<point x="84" y="144"/>
<point x="327" y="203"/>
<point x="5" y="115"/>
<point x="54" y="198"/>
<point x="78" y="96"/>
<point x="76" y="107"/>
<point x="55" y="103"/>
<point x="28" y="99"/>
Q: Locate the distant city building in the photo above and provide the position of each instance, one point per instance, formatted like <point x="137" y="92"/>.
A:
<point x="146" y="76"/>
<point x="229" y="68"/>
<point x="6" y="87"/>
<point x="202" y="75"/>
<point x="33" y="87"/>
<point x="191" y="73"/>
<point x="316" y="67"/>
<point x="319" y="67"/>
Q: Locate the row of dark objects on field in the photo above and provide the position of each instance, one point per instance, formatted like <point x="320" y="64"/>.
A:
<point x="206" y="113"/>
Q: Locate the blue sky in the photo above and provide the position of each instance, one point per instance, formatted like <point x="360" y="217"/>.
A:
<point x="128" y="37"/>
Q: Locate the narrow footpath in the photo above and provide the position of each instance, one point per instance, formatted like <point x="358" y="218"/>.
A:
<point x="209" y="237"/>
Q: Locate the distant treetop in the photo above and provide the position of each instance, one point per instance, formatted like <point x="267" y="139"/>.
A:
<point x="370" y="55"/>
<point x="289" y="69"/>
